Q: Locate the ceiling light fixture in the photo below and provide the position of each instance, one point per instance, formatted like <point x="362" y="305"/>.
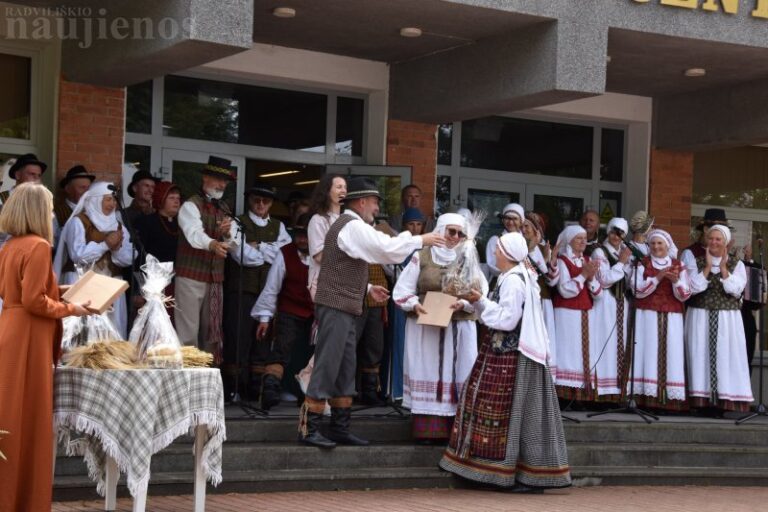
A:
<point x="310" y="182"/>
<point x="695" y="72"/>
<point x="273" y="174"/>
<point x="284" y="12"/>
<point x="410" y="32"/>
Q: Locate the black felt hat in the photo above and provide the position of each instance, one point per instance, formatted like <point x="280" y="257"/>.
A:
<point x="359" y="186"/>
<point x="261" y="189"/>
<point x="137" y="177"/>
<point x="713" y="216"/>
<point x="221" y="168"/>
<point x="78" y="171"/>
<point x="24" y="160"/>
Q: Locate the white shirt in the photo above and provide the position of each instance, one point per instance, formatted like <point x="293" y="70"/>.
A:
<point x="569" y="287"/>
<point x="732" y="285"/>
<point x="191" y="224"/>
<point x="266" y="305"/>
<point x="264" y="251"/>
<point x="316" y="231"/>
<point x="360" y="241"/>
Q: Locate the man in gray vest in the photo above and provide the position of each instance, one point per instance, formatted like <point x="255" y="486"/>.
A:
<point x="350" y="245"/>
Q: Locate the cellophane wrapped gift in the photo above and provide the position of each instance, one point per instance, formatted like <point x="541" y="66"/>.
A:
<point x="465" y="274"/>
<point x="87" y="330"/>
<point x="156" y="339"/>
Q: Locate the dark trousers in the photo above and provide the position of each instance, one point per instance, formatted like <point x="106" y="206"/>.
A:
<point x="750" y="333"/>
<point x="237" y="345"/>
<point x="370" y="329"/>
<point x="290" y="332"/>
<point x="335" y="355"/>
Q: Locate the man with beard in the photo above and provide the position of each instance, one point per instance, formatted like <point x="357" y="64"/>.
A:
<point x="285" y="292"/>
<point x="203" y="244"/>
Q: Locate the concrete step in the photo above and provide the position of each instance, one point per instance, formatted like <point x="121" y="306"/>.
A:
<point x="717" y="432"/>
<point x="670" y="476"/>
<point x="666" y="455"/>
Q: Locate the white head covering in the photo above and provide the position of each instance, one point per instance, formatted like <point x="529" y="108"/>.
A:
<point x="90" y="202"/>
<point x="464" y="212"/>
<point x="568" y="234"/>
<point x="513" y="246"/>
<point x="620" y="224"/>
<point x="725" y="230"/>
<point x="444" y="255"/>
<point x="514" y="208"/>
<point x="671" y="248"/>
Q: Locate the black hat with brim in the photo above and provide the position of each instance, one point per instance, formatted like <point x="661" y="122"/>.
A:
<point x="23" y="161"/>
<point x="137" y="177"/>
<point x="713" y="216"/>
<point x="261" y="189"/>
<point x="220" y="168"/>
<point x="78" y="171"/>
<point x="361" y="187"/>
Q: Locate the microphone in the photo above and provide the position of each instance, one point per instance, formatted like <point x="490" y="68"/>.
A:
<point x="113" y="188"/>
<point x="636" y="253"/>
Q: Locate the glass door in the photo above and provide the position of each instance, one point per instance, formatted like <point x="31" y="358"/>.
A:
<point x="183" y="169"/>
<point x="390" y="181"/>
<point x="560" y="206"/>
<point x="491" y="197"/>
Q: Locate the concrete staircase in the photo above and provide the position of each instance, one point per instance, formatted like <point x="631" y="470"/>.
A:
<point x="262" y="455"/>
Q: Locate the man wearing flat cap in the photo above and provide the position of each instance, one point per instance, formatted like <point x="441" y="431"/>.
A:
<point x="203" y="245"/>
<point x="264" y="236"/>
<point x="351" y="245"/>
<point x="27" y="169"/>
<point x="71" y="189"/>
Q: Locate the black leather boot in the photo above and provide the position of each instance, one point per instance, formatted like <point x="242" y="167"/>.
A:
<point x="311" y="431"/>
<point x="369" y="395"/>
<point x="270" y="391"/>
<point x="254" y="387"/>
<point x="339" y="431"/>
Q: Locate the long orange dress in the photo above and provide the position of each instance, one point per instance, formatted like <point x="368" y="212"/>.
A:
<point x="30" y="338"/>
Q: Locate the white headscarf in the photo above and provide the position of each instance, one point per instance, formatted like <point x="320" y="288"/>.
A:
<point x="620" y="224"/>
<point x="725" y="230"/>
<point x="671" y="248"/>
<point x="444" y="255"/>
<point x="514" y="208"/>
<point x="90" y="202"/>
<point x="568" y="234"/>
<point x="534" y="341"/>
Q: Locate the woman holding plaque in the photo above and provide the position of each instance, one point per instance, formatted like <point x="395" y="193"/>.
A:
<point x="437" y="360"/>
<point x="95" y="238"/>
<point x="30" y="338"/>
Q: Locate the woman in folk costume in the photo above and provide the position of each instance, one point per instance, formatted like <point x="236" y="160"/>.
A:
<point x="544" y="261"/>
<point x="611" y="311"/>
<point x="508" y="431"/>
<point x="94" y="236"/>
<point x="575" y="319"/>
<point x="512" y="217"/>
<point x="718" y="370"/>
<point x="437" y="360"/>
<point x="660" y="288"/>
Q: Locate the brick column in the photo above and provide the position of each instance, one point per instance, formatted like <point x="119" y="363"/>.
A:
<point x="669" y="193"/>
<point x="91" y="129"/>
<point x="415" y="144"/>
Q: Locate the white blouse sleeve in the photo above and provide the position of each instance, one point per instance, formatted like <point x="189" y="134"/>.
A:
<point x="506" y="314"/>
<point x="607" y="274"/>
<point x="316" y="231"/>
<point x="699" y="283"/>
<point x="689" y="262"/>
<point x="641" y="285"/>
<point x="404" y="293"/>
<point x="682" y="288"/>
<point x="191" y="223"/>
<point x="490" y="255"/>
<point x="266" y="304"/>
<point x="735" y="283"/>
<point x="80" y="251"/>
<point x="123" y="255"/>
<point x="283" y="238"/>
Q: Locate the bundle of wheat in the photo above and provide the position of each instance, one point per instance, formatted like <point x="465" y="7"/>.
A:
<point x="195" y="358"/>
<point x="114" y="355"/>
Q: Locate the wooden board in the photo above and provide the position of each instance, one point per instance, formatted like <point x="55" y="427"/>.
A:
<point x="101" y="290"/>
<point x="439" y="312"/>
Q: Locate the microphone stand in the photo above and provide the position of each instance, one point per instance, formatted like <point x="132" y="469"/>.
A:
<point x="249" y="409"/>
<point x="631" y="405"/>
<point x="760" y="410"/>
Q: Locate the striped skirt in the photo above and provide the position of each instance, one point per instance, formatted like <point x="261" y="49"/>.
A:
<point x="508" y="427"/>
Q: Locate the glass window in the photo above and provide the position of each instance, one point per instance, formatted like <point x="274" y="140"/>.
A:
<point x="612" y="155"/>
<point x="525" y="146"/>
<point x="244" y="114"/>
<point x="350" y="113"/>
<point x="442" y="195"/>
<point x="733" y="177"/>
<point x="15" y="101"/>
<point x="138" y="114"/>
<point x="559" y="212"/>
<point x="444" y="144"/>
<point x="492" y="202"/>
<point x="610" y="206"/>
<point x="140" y="156"/>
<point x="186" y="175"/>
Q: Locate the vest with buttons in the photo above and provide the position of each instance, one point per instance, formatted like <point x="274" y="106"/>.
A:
<point x="201" y="264"/>
<point x="343" y="280"/>
<point x="294" y="297"/>
<point x="583" y="301"/>
<point x="715" y="297"/>
<point x="254" y="278"/>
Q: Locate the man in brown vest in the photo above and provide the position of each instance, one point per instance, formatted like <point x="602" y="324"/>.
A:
<point x="286" y="294"/>
<point x="203" y="244"/>
<point x="264" y="236"/>
<point x="71" y="189"/>
<point x="350" y="245"/>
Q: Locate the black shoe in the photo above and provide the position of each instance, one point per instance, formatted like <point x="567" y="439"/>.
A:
<point x="519" y="488"/>
<point x="254" y="387"/>
<point x="313" y="436"/>
<point x="339" y="431"/>
<point x="270" y="391"/>
<point x="369" y="395"/>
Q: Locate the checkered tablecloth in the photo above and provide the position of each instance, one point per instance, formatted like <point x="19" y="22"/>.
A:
<point x="132" y="414"/>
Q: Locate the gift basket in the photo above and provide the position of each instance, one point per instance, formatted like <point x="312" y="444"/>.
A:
<point x="156" y="340"/>
<point x="465" y="274"/>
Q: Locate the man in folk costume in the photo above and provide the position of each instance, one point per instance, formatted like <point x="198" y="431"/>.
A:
<point x="27" y="169"/>
<point x="203" y="244"/>
<point x="350" y="245"/>
<point x="576" y="288"/>
<point x="71" y="189"/>
<point x="370" y="328"/>
<point x="590" y="221"/>
<point x="286" y="294"/>
<point x="508" y="430"/>
<point x="264" y="236"/>
<point x="94" y="235"/>
<point x="140" y="189"/>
